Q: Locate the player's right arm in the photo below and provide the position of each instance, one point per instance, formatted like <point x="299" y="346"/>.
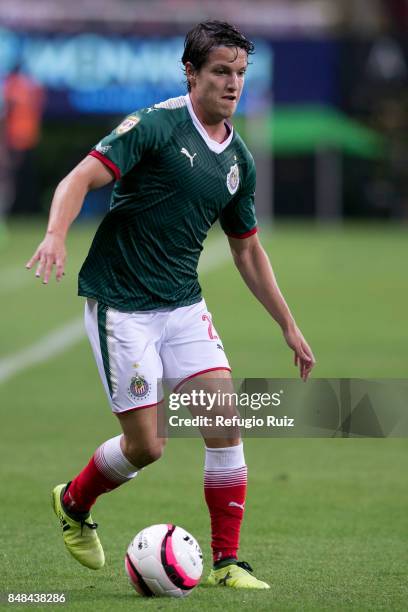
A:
<point x="67" y="202"/>
<point x="113" y="157"/>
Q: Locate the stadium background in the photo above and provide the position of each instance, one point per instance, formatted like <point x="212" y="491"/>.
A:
<point x="326" y="115"/>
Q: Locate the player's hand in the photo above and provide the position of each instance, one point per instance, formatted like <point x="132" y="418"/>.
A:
<point x="304" y="358"/>
<point x="50" y="252"/>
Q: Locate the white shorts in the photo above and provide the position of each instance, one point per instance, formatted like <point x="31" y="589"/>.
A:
<point x="135" y="351"/>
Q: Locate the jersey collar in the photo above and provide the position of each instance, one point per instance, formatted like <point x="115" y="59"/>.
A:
<point x="213" y="145"/>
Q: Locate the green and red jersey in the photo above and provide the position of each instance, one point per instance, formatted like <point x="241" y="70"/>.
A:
<point x="172" y="183"/>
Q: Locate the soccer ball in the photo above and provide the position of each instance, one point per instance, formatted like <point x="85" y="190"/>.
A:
<point x="164" y="560"/>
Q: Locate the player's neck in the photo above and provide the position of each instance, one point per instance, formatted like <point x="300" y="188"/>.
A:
<point x="216" y="130"/>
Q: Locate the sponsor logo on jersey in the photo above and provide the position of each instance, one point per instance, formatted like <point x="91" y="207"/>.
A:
<point x="127" y="124"/>
<point x="187" y="154"/>
<point x="233" y="179"/>
<point x="139" y="387"/>
<point x="102" y="148"/>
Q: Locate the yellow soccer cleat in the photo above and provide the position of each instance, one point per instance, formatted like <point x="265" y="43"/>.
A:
<point x="80" y="537"/>
<point x="237" y="576"/>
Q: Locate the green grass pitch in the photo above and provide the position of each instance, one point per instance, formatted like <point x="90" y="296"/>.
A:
<point x="326" y="520"/>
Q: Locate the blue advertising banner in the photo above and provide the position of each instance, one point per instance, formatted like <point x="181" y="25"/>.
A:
<point x="106" y="74"/>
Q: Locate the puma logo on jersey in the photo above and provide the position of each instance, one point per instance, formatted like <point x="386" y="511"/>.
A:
<point x="236" y="505"/>
<point x="187" y="154"/>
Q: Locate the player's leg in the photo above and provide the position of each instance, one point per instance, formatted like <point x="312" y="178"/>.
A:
<point x="225" y="470"/>
<point x="125" y="348"/>
<point x="115" y="462"/>
<point x="194" y="358"/>
<point x="225" y="484"/>
<point x="140" y="443"/>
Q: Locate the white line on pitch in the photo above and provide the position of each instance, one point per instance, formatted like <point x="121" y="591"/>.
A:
<point x="71" y="333"/>
<point x="52" y="344"/>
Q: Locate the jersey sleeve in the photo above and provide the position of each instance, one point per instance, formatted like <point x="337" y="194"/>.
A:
<point x="138" y="134"/>
<point x="238" y="218"/>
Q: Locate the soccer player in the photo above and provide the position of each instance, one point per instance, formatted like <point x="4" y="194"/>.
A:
<point x="178" y="166"/>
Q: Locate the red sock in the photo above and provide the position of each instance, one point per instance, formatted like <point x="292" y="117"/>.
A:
<point x="225" y="491"/>
<point x="107" y="470"/>
<point x="86" y="487"/>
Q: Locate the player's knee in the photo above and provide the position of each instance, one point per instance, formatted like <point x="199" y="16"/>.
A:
<point x="153" y="453"/>
<point x="140" y="456"/>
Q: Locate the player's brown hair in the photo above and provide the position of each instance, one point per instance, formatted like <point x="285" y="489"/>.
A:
<point x="207" y="35"/>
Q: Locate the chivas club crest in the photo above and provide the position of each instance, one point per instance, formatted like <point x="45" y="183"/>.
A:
<point x="139" y="387"/>
<point x="233" y="179"/>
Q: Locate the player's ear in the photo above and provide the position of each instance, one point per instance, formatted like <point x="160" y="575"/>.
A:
<point x="190" y="73"/>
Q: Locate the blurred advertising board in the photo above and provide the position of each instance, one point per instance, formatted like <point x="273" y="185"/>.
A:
<point x="92" y="73"/>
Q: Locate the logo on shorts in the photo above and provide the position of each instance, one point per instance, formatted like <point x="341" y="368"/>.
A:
<point x="139" y="387"/>
<point x="233" y="179"/>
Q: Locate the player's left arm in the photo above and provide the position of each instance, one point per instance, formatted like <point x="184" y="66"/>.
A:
<point x="256" y="270"/>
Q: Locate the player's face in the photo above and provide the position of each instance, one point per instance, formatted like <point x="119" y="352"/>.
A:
<point x="217" y="86"/>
